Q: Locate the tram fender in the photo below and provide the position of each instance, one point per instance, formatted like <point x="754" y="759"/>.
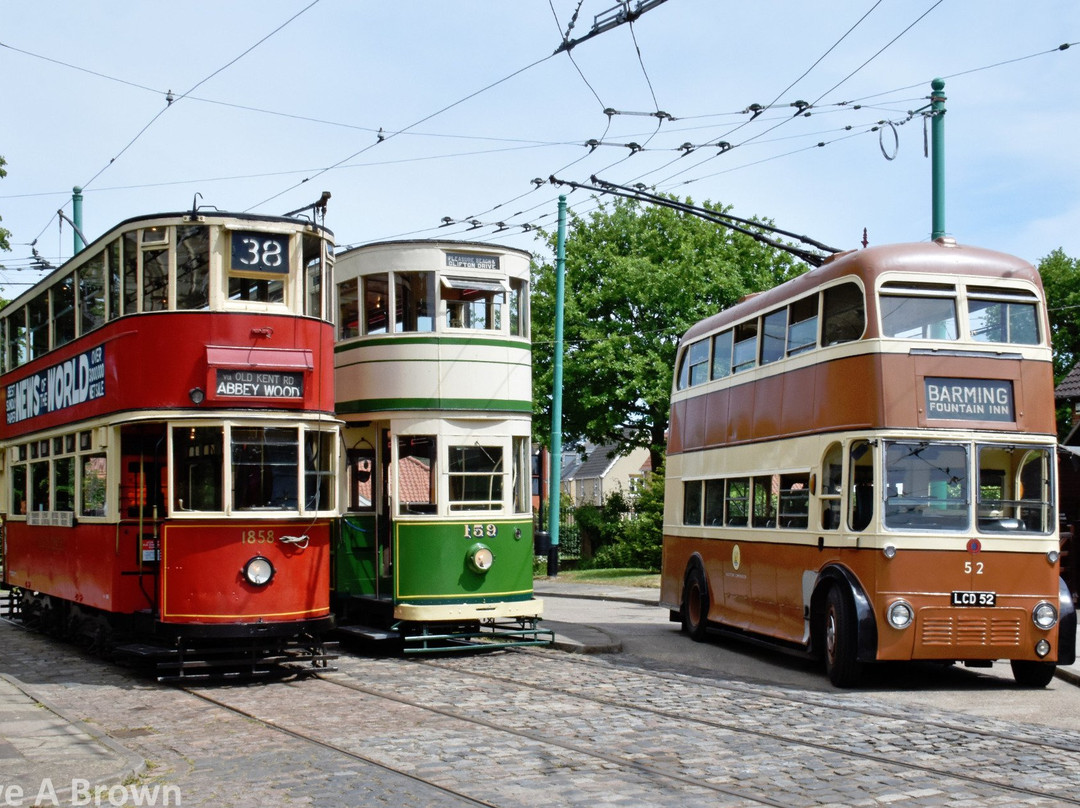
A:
<point x="1066" y="625"/>
<point x="837" y="575"/>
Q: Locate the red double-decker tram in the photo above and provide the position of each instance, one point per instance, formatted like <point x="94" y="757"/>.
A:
<point x="167" y="477"/>
<point x="861" y="466"/>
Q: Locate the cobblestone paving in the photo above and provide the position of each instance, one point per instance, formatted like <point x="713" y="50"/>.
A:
<point x="528" y="728"/>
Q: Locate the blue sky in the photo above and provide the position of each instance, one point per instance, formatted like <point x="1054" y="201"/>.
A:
<point x="275" y="102"/>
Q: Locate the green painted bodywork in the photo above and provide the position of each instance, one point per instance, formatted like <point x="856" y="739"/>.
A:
<point x="431" y="560"/>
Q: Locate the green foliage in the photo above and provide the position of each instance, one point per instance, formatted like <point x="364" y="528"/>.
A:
<point x="636" y="278"/>
<point x="5" y="235"/>
<point x="636" y="541"/>
<point x="1061" y="281"/>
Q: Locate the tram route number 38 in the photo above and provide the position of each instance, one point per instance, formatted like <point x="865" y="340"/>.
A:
<point x="489" y="531"/>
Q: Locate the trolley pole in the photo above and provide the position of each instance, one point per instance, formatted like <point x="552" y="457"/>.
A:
<point x="76" y="216"/>
<point x="555" y="488"/>
<point x="937" y="161"/>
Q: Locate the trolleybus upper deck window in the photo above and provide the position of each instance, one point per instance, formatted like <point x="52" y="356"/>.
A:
<point x="843" y="314"/>
<point x="918" y="311"/>
<point x="1003" y="315"/>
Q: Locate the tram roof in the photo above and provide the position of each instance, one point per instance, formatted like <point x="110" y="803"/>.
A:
<point x="937" y="258"/>
<point x="436" y="242"/>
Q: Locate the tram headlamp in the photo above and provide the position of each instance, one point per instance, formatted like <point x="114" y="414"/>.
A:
<point x="1052" y="557"/>
<point x="480" y="558"/>
<point x="900" y="614"/>
<point x="196" y="395"/>
<point x="889" y="551"/>
<point x="258" y="571"/>
<point x="1044" y="615"/>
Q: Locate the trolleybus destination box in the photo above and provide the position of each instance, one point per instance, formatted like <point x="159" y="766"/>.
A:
<point x="969" y="399"/>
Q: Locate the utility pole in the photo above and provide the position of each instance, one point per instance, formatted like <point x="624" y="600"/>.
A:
<point x="76" y="217"/>
<point x="555" y="488"/>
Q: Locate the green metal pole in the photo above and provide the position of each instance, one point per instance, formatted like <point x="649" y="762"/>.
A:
<point x="555" y="488"/>
<point x="76" y="216"/>
<point x="937" y="161"/>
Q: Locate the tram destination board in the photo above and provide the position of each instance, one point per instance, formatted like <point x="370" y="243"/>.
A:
<point x="260" y="384"/>
<point x="974" y="598"/>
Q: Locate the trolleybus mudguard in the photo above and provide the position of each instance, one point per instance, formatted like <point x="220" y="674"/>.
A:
<point x="1066" y="625"/>
<point x="866" y="648"/>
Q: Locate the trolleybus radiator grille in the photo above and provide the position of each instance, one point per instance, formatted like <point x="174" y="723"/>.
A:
<point x="942" y="629"/>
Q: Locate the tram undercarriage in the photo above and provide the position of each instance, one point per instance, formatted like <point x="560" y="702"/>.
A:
<point x="175" y="653"/>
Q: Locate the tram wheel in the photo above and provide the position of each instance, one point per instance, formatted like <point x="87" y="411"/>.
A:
<point x="695" y="604"/>
<point x="841" y="664"/>
<point x="1032" y="674"/>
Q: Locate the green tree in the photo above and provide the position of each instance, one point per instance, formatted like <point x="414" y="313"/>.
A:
<point x="637" y="276"/>
<point x="1061" y="281"/>
<point x="5" y="235"/>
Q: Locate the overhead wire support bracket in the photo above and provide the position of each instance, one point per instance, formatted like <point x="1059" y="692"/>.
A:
<point x="612" y="18"/>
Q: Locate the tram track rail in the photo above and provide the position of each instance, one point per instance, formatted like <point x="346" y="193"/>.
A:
<point x="998" y="781"/>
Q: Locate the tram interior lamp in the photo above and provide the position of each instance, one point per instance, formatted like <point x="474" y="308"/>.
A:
<point x="196" y="395"/>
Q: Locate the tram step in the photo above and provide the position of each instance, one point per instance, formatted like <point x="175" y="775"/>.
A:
<point x="368" y="633"/>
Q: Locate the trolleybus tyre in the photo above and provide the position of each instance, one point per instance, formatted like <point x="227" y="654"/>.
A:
<point x="841" y="664"/>
<point x="1032" y="674"/>
<point x="695" y="603"/>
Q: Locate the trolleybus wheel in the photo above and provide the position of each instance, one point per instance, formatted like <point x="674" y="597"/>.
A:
<point x="1032" y="674"/>
<point x="695" y="603"/>
<point x="843" y="668"/>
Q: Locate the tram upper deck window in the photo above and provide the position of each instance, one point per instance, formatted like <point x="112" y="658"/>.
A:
<point x="192" y="267"/>
<point x="16" y="345"/>
<point x="476" y="478"/>
<point x="843" y="314"/>
<point x="63" y="311"/>
<point x="348" y="308"/>
<point x="37" y="311"/>
<point x="155" y="268"/>
<point x="317" y="276"/>
<point x="519" y="319"/>
<point x="376" y="303"/>
<point x="115" y="275"/>
<point x="259" y="266"/>
<point x="926" y="486"/>
<point x="131" y="273"/>
<point x="1003" y="315"/>
<point x="473" y="304"/>
<point x="414" y="301"/>
<point x="918" y="310"/>
<point x="92" y="294"/>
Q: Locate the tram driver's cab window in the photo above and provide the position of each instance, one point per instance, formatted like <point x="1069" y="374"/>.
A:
<point x="416" y="474"/>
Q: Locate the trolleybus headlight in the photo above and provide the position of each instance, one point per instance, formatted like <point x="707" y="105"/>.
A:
<point x="1044" y="615"/>
<point x="480" y="557"/>
<point x="900" y="614"/>
<point x="259" y="571"/>
<point x="1042" y="648"/>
